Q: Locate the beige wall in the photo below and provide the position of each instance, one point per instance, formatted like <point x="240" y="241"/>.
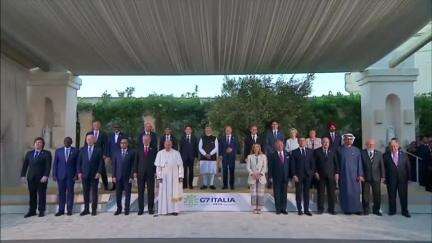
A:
<point x="14" y="79"/>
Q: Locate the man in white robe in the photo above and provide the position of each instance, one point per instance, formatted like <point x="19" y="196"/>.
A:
<point x="169" y="172"/>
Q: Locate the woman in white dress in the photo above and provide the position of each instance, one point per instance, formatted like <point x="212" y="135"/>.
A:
<point x="256" y="164"/>
<point x="292" y="142"/>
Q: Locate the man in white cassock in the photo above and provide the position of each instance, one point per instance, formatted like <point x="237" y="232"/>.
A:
<point x="169" y="172"/>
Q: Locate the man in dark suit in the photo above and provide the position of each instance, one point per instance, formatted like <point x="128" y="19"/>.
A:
<point x="334" y="136"/>
<point x="279" y="172"/>
<point x="123" y="162"/>
<point x="114" y="139"/>
<point x="327" y="173"/>
<point x="90" y="166"/>
<point x="373" y="170"/>
<point x="249" y="141"/>
<point x="168" y="136"/>
<point x="228" y="147"/>
<point x="303" y="171"/>
<point x="273" y="135"/>
<point x="35" y="172"/>
<point x="397" y="168"/>
<point x="144" y="172"/>
<point x="424" y="152"/>
<point x="148" y="130"/>
<point x="189" y="152"/>
<point x="65" y="172"/>
<point x="101" y="143"/>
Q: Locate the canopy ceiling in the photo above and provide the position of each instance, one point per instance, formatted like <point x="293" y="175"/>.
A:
<point x="154" y="37"/>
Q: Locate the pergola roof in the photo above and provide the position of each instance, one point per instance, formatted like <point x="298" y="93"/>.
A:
<point x="155" y="37"/>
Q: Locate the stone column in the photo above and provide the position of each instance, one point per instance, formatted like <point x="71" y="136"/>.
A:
<point x="14" y="79"/>
<point x="387" y="104"/>
<point x="51" y="108"/>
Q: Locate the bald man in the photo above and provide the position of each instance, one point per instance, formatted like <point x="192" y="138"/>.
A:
<point x="373" y="169"/>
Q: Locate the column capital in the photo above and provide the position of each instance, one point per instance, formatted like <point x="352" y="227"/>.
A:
<point x="41" y="78"/>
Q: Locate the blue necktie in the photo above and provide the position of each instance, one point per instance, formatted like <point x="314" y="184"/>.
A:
<point x="90" y="151"/>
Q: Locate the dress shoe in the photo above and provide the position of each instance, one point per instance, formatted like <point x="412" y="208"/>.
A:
<point x="365" y="213"/>
<point x="118" y="212"/>
<point x="300" y="213"/>
<point x="308" y="213"/>
<point x="69" y="213"/>
<point x="391" y="213"/>
<point x="232" y="188"/>
<point x="59" y="214"/>
<point x="332" y="212"/>
<point x="151" y="211"/>
<point x="203" y="187"/>
<point x="284" y="212"/>
<point x="140" y="212"/>
<point x="224" y="187"/>
<point x="320" y="211"/>
<point x="378" y="213"/>
<point x="406" y="214"/>
<point x="359" y="213"/>
<point x="85" y="212"/>
<point x="212" y="187"/>
<point x="174" y="214"/>
<point x="278" y="212"/>
<point x="93" y="213"/>
<point x="191" y="187"/>
<point x="29" y="214"/>
<point x="41" y="214"/>
<point x="126" y="212"/>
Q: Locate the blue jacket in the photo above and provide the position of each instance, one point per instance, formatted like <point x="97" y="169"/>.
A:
<point x="223" y="145"/>
<point x="65" y="169"/>
<point x="87" y="167"/>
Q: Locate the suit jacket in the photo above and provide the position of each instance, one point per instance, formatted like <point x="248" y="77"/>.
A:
<point x="123" y="167"/>
<point x="113" y="146"/>
<point x="63" y="169"/>
<point x="304" y="165"/>
<point x="270" y="140"/>
<point x="36" y="167"/>
<point x="162" y="141"/>
<point x="278" y="171"/>
<point x="224" y="145"/>
<point x="101" y="142"/>
<point x="145" y="163"/>
<point x="400" y="173"/>
<point x="337" y="140"/>
<point x="188" y="150"/>
<point x="153" y="142"/>
<point x="373" y="170"/>
<point x="89" y="167"/>
<point x="254" y="165"/>
<point x="326" y="166"/>
<point x="249" y="142"/>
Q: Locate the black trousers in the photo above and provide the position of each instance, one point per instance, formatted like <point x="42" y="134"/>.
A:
<point x="104" y="176"/>
<point x="401" y="188"/>
<point x="228" y="166"/>
<point x="328" y="184"/>
<point x="90" y="185"/>
<point x="123" y="185"/>
<point x="188" y="173"/>
<point x="280" y="195"/>
<point x="37" y="193"/>
<point x="149" y="180"/>
<point x="302" y="193"/>
<point x="376" y="196"/>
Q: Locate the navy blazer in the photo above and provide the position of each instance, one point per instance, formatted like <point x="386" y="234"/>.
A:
<point x="123" y="168"/>
<point x="223" y="145"/>
<point x="65" y="169"/>
<point x="271" y="140"/>
<point x="304" y="165"/>
<point x="279" y="172"/>
<point x="162" y="142"/>
<point x="36" y="167"/>
<point x="89" y="168"/>
<point x="112" y="146"/>
<point x="188" y="150"/>
<point x="337" y="143"/>
<point x="153" y="142"/>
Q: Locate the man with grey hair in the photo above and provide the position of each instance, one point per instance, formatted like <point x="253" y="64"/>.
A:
<point x="373" y="168"/>
<point x="351" y="176"/>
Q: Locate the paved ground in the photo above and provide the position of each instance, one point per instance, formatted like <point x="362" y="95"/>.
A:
<point x="218" y="225"/>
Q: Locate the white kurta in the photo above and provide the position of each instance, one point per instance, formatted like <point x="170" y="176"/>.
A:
<point x="169" y="168"/>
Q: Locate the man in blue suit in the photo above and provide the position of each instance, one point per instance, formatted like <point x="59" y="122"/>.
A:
<point x="64" y="172"/>
<point x="90" y="167"/>
<point x="113" y="144"/>
<point x="303" y="171"/>
<point x="123" y="161"/>
<point x="228" y="147"/>
<point x="279" y="172"/>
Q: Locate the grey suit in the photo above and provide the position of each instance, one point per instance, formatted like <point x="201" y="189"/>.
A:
<point x="373" y="170"/>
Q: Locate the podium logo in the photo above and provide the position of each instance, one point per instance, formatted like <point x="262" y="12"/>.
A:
<point x="204" y="200"/>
